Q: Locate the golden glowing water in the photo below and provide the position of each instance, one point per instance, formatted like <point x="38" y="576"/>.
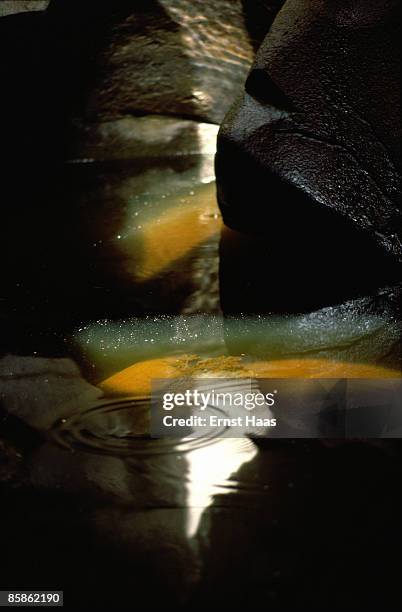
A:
<point x="172" y="238"/>
<point x="185" y="223"/>
<point x="137" y="379"/>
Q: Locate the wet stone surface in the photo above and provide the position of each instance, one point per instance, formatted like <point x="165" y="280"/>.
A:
<point x="119" y="271"/>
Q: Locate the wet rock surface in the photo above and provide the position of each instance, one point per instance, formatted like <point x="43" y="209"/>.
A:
<point x="117" y="269"/>
<point x="314" y="143"/>
<point x="92" y="74"/>
<point x="183" y="58"/>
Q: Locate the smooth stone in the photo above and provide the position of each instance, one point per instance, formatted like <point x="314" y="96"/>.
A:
<point x="312" y="148"/>
<point x="35" y="390"/>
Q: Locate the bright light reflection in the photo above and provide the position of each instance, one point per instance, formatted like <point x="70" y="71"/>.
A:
<point x="210" y="469"/>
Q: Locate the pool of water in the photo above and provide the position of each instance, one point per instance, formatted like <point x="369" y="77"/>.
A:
<point x="124" y="274"/>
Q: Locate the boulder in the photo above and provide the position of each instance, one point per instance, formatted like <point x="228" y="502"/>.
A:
<point x="312" y="147"/>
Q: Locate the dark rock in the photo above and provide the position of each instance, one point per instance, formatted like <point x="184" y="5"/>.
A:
<point x="314" y="142"/>
<point x="35" y="391"/>
<point x="278" y="303"/>
<point x="365" y="330"/>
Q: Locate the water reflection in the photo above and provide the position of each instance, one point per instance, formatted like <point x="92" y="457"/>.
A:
<point x="161" y="291"/>
<point x="152" y="247"/>
<point x="348" y="341"/>
<point x="266" y="306"/>
<point x="212" y="470"/>
<point x="190" y="471"/>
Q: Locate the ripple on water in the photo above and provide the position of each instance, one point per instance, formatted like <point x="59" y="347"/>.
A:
<point x="120" y="427"/>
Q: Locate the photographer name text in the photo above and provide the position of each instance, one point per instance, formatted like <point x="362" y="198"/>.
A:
<point x="213" y="420"/>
